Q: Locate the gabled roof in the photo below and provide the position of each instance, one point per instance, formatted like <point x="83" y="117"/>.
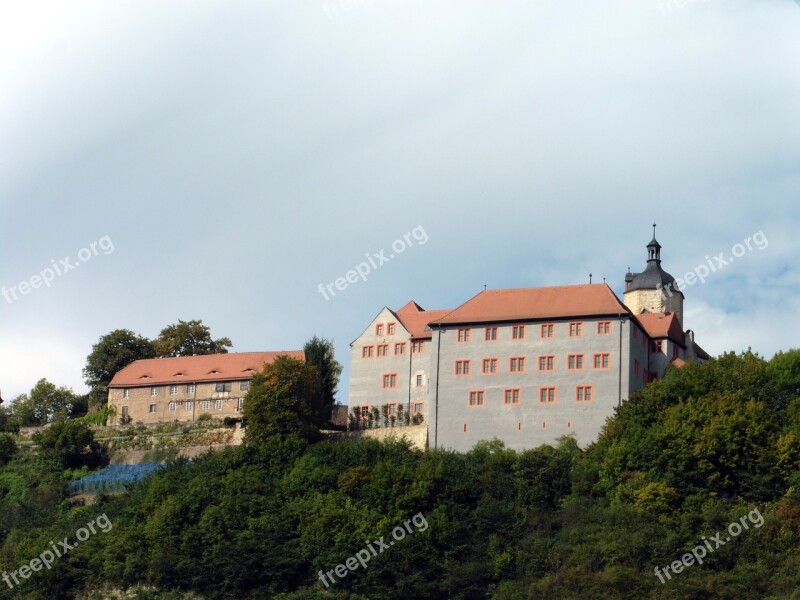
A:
<point x="415" y="319"/>
<point x="662" y="325"/>
<point x="565" y="301"/>
<point x="191" y="369"/>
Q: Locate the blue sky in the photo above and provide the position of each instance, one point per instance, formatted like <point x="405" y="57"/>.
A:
<point x="238" y="154"/>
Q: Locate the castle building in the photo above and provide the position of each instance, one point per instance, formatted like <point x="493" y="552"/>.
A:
<point x="526" y="366"/>
<point x="159" y="390"/>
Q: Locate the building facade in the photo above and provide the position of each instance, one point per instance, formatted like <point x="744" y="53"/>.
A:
<point x="527" y="366"/>
<point x="160" y="390"/>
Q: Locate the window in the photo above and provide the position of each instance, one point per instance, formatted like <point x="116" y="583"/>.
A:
<point x="379" y="329"/>
<point x="366" y="351"/>
<point x="548" y="330"/>
<point x="172" y="407"/>
<point x="390" y="329"/>
<point x="223" y="387"/>
<point x="154" y="391"/>
<point x="190" y="388"/>
<point x="391" y="409"/>
<point x="490" y="365"/>
<point x="490" y="334"/>
<point x="188" y="405"/>
<point x="583" y="393"/>
<point x="383" y="350"/>
<point x="244" y="386"/>
<point x="126" y="393"/>
<point x="218" y="404"/>
<point x="518" y="332"/>
<point x="604" y="328"/>
<point x="476" y="398"/>
<point x="656" y="347"/>
<point x="547" y="363"/>
<point x="547" y="395"/>
<point x="417" y="408"/>
<point x="575" y="362"/>
<point x="240" y="404"/>
<point x="635" y="333"/>
<point x="390" y="381"/>
<point x="644" y="342"/>
<point x="173" y="390"/>
<point x="206" y="405"/>
<point x="124" y="411"/>
<point x="463" y="335"/>
<point x="517" y="364"/>
<point x="400" y="348"/>
<point x="153" y="408"/>
<point x="675" y="352"/>
<point x="511" y="396"/>
<point x="601" y="361"/>
<point x="417" y="347"/>
<point x="637" y="367"/>
<point x="575" y="329"/>
<point x="462" y="367"/>
<point x="364" y="411"/>
<point x="419" y="380"/>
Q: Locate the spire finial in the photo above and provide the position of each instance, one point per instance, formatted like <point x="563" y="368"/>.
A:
<point x="590" y="278"/>
<point x="654" y="231"/>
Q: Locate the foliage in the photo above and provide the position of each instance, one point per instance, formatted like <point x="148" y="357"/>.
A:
<point x="69" y="442"/>
<point x="110" y="354"/>
<point x="189" y="338"/>
<point x="320" y="354"/>
<point x="44" y="403"/>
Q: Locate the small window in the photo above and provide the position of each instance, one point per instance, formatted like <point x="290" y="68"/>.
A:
<point x="604" y="328"/>
<point x="583" y="393"/>
<point x="383" y="350"/>
<point x="126" y="393"/>
<point x="153" y="408"/>
<point x="462" y="367"/>
<point x="124" y="411"/>
<point x="476" y="398"/>
<point x="390" y="381"/>
<point x="172" y="406"/>
<point x="656" y="347"/>
<point x="419" y="380"/>
<point x="244" y="386"/>
<point x="366" y="351"/>
<point x="390" y="329"/>
<point x="417" y="408"/>
<point x="190" y="388"/>
<point x="547" y="363"/>
<point x="635" y="333"/>
<point x="218" y="404"/>
<point x="206" y="405"/>
<point x="223" y="387"/>
<point x="602" y="361"/>
<point x="400" y="348"/>
<point x="173" y="390"/>
<point x="364" y="411"/>
<point x="188" y="405"/>
<point x="517" y="364"/>
<point x="575" y="329"/>
<point x="154" y="391"/>
<point x="518" y="332"/>
<point x="547" y="395"/>
<point x="489" y="365"/>
<point x="463" y="335"/>
<point x="240" y="404"/>
<point x="548" y="330"/>
<point x="637" y="367"/>
<point x="675" y="352"/>
<point x="511" y="396"/>
<point x="575" y="362"/>
<point x="391" y="409"/>
<point x="490" y="334"/>
<point x="417" y="347"/>
<point x="379" y="329"/>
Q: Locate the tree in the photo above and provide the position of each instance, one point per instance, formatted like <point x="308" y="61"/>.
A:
<point x="319" y="352"/>
<point x="110" y="354"/>
<point x="43" y="404"/>
<point x="68" y="442"/>
<point x="189" y="338"/>
<point x="284" y="399"/>
<point x="8" y="448"/>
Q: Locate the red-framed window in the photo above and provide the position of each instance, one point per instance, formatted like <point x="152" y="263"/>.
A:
<point x="656" y="347"/>
<point x="511" y="396"/>
<point x="462" y="367"/>
<point x="547" y="330"/>
<point x="576" y="329"/>
<point x="601" y="361"/>
<point x="383" y="350"/>
<point x="463" y="334"/>
<point x="676" y="351"/>
<point x="584" y="393"/>
<point x="637" y="367"/>
<point x="367" y="351"/>
<point x="475" y="398"/>
<point x="635" y="333"/>
<point x="363" y="410"/>
<point x="516" y="364"/>
<point x="417" y="347"/>
<point x="390" y="328"/>
<point x="489" y="366"/>
<point x="547" y="363"/>
<point x="547" y="395"/>
<point x="490" y="334"/>
<point x="518" y="332"/>
<point x="379" y="329"/>
<point x="575" y="362"/>
<point x="417" y="408"/>
<point x="604" y="328"/>
<point x="389" y="381"/>
<point x="400" y="348"/>
<point x="391" y="409"/>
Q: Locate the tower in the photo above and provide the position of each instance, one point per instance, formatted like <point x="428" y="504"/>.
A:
<point x="653" y="290"/>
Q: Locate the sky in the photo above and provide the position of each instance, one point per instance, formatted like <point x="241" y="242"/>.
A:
<point x="220" y="160"/>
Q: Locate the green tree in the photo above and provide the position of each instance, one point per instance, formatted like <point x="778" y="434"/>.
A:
<point x="44" y="403"/>
<point x="284" y="399"/>
<point x="189" y="338"/>
<point x="8" y="448"/>
<point x="320" y="353"/>
<point x="110" y="354"/>
<point x="69" y="442"/>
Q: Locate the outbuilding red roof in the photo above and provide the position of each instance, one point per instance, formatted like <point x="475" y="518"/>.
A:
<point x="195" y="369"/>
<point x="415" y="319"/>
<point x="565" y="301"/>
<point x="662" y="325"/>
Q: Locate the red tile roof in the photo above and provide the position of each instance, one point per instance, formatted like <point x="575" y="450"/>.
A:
<point x="565" y="301"/>
<point x="662" y="325"/>
<point x="415" y="319"/>
<point x="189" y="369"/>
